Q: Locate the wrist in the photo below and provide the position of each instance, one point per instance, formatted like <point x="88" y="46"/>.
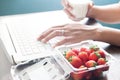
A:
<point x="90" y="10"/>
<point x="94" y="33"/>
<point x="98" y="33"/>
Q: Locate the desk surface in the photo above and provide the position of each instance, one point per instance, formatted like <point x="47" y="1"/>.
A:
<point x="38" y="18"/>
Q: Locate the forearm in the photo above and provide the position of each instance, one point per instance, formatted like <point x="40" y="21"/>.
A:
<point x="108" y="14"/>
<point x="108" y="35"/>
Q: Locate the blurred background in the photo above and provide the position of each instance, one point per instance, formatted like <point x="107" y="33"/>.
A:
<point x="11" y="7"/>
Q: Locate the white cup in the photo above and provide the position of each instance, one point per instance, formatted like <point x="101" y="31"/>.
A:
<point x="80" y="8"/>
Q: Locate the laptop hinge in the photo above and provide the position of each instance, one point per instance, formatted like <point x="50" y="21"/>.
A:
<point x="13" y="60"/>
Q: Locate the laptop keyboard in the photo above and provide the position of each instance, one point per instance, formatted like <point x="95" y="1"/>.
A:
<point x="28" y="48"/>
<point x="27" y="43"/>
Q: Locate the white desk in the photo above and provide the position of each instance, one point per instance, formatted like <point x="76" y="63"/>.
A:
<point x="4" y="66"/>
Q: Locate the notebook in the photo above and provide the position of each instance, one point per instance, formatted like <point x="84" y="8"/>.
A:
<point x="20" y="43"/>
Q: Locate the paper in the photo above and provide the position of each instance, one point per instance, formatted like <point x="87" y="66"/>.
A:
<point x="39" y="74"/>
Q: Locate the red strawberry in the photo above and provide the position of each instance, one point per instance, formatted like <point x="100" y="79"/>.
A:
<point x="89" y="51"/>
<point x="69" y="53"/>
<point x="83" y="55"/>
<point x="94" y="56"/>
<point x="97" y="72"/>
<point x="101" y="53"/>
<point x="75" y="50"/>
<point x="75" y="61"/>
<point x="78" y="75"/>
<point x="101" y="61"/>
<point x="86" y="50"/>
<point x="94" y="47"/>
<point x="83" y="49"/>
<point x="88" y="75"/>
<point x="90" y="63"/>
<point x="82" y="66"/>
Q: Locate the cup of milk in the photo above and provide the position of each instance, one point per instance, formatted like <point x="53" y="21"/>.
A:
<point x="80" y="8"/>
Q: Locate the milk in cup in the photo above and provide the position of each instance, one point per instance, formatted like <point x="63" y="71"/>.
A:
<point x="80" y="8"/>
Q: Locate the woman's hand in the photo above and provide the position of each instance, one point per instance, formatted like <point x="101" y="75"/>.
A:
<point x="67" y="9"/>
<point x="72" y="33"/>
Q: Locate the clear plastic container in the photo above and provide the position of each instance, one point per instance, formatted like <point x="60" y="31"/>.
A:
<point x="42" y="68"/>
<point x="86" y="73"/>
<point x="59" y="67"/>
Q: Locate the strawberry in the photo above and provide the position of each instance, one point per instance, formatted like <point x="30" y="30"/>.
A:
<point x="89" y="51"/>
<point x="75" y="50"/>
<point x="83" y="55"/>
<point x="101" y="53"/>
<point x="94" y="47"/>
<point x="94" y="56"/>
<point x="78" y="75"/>
<point x="90" y="63"/>
<point x="88" y="75"/>
<point x="75" y="61"/>
<point x="86" y="50"/>
<point x="69" y="53"/>
<point x="101" y="61"/>
<point x="97" y="73"/>
<point x="83" y="49"/>
<point x="82" y="66"/>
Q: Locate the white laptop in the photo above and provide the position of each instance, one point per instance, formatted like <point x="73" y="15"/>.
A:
<point x="20" y="43"/>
